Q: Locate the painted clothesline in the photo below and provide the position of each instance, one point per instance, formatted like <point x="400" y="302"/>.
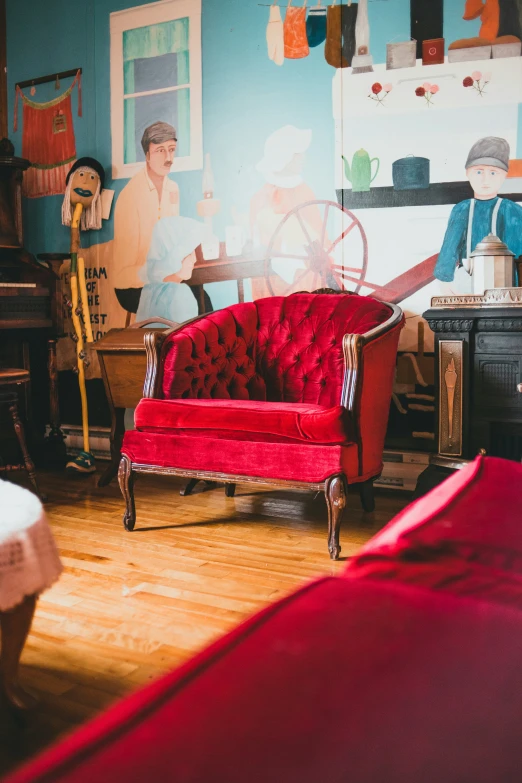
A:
<point x="50" y="78"/>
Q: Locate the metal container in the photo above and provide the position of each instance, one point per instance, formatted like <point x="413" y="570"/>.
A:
<point x="492" y="265"/>
<point x="411" y="173"/>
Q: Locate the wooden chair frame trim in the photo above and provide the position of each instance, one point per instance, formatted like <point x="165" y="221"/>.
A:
<point x="334" y="488"/>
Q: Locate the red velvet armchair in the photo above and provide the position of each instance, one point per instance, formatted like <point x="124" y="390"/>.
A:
<point x="290" y="391"/>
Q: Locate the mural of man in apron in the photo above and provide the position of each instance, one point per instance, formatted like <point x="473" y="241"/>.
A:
<point x="472" y="220"/>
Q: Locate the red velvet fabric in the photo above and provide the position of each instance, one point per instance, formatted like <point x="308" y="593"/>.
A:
<point x="300" y="343"/>
<point x="403" y="676"/>
<point x="215" y="357"/>
<point x="310" y="423"/>
<point x="465" y="537"/>
<point x="260" y="361"/>
<point x="478" y="509"/>
<point x="283" y="349"/>
<point x="373" y="404"/>
<point x="344" y="681"/>
<point x="292" y="460"/>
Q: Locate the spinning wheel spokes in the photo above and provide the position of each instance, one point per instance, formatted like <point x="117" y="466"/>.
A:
<point x="319" y="262"/>
<point x="343" y="236"/>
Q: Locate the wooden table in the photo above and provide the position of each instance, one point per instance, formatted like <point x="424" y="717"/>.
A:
<point x="123" y="364"/>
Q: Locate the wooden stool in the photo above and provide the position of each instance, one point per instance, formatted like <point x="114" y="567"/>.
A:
<point x="9" y="381"/>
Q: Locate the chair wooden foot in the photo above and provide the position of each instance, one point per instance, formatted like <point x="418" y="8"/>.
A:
<point x="20" y="434"/>
<point x="336" y="501"/>
<point x="367" y="495"/>
<point x="189" y="486"/>
<point x="230" y="490"/>
<point x="15" y="625"/>
<point x="126" y="482"/>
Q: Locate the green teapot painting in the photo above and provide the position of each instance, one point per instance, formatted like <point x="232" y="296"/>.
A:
<point x="360" y="172"/>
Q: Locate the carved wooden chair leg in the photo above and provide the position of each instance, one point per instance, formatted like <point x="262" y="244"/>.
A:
<point x="367" y="495"/>
<point x="126" y="482"/>
<point x="20" y="434"/>
<point x="230" y="490"/>
<point x="336" y="501"/>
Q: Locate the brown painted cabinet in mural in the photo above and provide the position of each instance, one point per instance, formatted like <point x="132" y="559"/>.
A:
<point x="478" y="381"/>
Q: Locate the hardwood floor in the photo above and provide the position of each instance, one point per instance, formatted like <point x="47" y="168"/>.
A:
<point x="130" y="606"/>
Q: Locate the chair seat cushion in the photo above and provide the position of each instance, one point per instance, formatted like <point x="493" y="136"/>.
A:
<point x="299" y="421"/>
<point x="263" y="458"/>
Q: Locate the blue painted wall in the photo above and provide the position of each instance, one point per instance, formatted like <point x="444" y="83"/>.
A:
<point x="245" y="96"/>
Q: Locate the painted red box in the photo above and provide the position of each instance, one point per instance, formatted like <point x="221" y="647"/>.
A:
<point x="433" y="51"/>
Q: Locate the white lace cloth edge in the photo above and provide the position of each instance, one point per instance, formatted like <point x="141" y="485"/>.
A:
<point x="29" y="560"/>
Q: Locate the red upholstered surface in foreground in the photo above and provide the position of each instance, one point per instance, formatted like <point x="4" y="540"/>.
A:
<point x="359" y="679"/>
<point x="301" y="421"/>
<point x="345" y="682"/>
<point x="273" y="458"/>
<point x="465" y="536"/>
<point x="282" y="349"/>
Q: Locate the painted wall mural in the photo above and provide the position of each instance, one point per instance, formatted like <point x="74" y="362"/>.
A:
<point x="258" y="150"/>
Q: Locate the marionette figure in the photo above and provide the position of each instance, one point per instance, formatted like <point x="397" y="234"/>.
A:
<point x="82" y="209"/>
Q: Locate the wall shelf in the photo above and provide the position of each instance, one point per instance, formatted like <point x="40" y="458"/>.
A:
<point x="386" y="197"/>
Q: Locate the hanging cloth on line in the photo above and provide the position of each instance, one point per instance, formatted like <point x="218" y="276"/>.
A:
<point x="48" y="141"/>
<point x="296" y="42"/>
<point x="275" y="36"/>
<point x="316" y="26"/>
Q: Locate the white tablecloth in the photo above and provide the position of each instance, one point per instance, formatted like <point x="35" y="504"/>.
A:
<point x="29" y="561"/>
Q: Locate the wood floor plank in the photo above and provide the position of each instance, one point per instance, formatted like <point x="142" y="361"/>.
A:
<point x="131" y="606"/>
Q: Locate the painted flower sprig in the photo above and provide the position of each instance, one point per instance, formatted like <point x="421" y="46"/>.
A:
<point x="427" y="91"/>
<point x="380" y="92"/>
<point x="478" y="81"/>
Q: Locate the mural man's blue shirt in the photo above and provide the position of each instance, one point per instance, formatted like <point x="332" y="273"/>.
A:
<point x="453" y="250"/>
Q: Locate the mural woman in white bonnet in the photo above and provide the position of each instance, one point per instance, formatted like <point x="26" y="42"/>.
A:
<point x="170" y="262"/>
<point x="284" y="189"/>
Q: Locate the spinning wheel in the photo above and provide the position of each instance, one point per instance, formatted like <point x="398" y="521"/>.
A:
<point x="302" y="256"/>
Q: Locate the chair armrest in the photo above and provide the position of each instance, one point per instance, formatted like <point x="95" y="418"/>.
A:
<point x="154" y="342"/>
<point x="370" y="361"/>
<point x="353" y="345"/>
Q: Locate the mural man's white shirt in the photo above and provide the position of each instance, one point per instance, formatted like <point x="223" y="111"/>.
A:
<point x="137" y="211"/>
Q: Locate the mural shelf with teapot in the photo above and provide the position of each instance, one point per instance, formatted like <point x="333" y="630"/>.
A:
<point x="411" y="184"/>
<point x="416" y="131"/>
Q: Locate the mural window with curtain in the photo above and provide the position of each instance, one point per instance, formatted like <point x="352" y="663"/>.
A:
<point x="156" y="75"/>
<point x="156" y="83"/>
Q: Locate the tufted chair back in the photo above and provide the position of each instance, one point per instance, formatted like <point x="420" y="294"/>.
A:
<point x="300" y="343"/>
<point x="279" y="349"/>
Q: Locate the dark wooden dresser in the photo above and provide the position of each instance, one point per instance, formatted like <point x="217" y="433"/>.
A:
<point x="478" y="378"/>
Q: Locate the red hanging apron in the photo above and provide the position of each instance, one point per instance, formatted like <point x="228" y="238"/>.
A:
<point x="48" y="141"/>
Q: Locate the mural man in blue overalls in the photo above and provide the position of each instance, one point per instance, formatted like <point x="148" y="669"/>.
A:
<point x="486" y="213"/>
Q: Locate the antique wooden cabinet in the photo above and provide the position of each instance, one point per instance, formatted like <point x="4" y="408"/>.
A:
<point x="478" y="381"/>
